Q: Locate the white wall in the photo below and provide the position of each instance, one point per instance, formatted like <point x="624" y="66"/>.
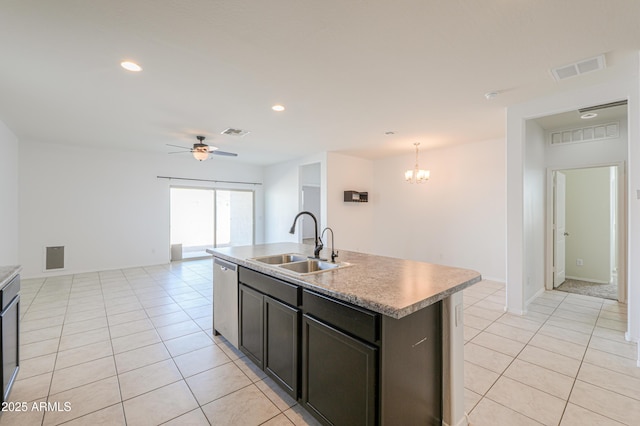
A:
<point x="516" y="139"/>
<point x="108" y="208"/>
<point x="352" y="223"/>
<point x="588" y="219"/>
<point x="534" y="211"/>
<point x="8" y="197"/>
<point x="457" y="218"/>
<point x="282" y="197"/>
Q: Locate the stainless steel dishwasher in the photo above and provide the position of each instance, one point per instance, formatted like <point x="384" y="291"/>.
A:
<point x="225" y="300"/>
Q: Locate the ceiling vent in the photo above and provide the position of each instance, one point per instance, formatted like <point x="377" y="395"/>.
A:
<point x="234" y="132"/>
<point x="581" y="67"/>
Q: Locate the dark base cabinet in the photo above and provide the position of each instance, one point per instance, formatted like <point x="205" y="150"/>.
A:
<point x="251" y="326"/>
<point x="345" y="364"/>
<point x="339" y="375"/>
<point x="282" y="344"/>
<point x="269" y="328"/>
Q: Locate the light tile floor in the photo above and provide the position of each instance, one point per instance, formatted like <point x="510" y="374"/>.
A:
<point x="135" y="347"/>
<point x="565" y="362"/>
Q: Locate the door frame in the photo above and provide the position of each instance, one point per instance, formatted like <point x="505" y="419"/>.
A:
<point x="557" y="236"/>
<point x="622" y="263"/>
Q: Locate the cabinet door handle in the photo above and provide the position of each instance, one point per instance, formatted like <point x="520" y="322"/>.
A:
<point x="224" y="268"/>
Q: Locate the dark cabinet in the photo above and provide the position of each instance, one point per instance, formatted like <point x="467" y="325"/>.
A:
<point x="339" y="375"/>
<point x="251" y="326"/>
<point x="282" y="343"/>
<point x="346" y="365"/>
<point x="269" y="327"/>
<point x="9" y="326"/>
<point x="339" y="361"/>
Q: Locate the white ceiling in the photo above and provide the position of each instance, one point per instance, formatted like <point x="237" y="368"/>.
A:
<point x="347" y="70"/>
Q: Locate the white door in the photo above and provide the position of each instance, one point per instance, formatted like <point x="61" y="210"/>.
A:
<point x="560" y="229"/>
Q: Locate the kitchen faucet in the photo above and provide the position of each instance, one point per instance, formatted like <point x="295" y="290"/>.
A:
<point x="334" y="254"/>
<point x="318" y="241"/>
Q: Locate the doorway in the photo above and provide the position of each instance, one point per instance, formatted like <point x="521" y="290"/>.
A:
<point x="587" y="211"/>
<point x="310" y="200"/>
<point x="310" y="203"/>
<point x="203" y="218"/>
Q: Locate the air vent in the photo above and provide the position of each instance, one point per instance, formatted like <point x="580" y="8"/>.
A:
<point x="585" y="134"/>
<point x="578" y="68"/>
<point x="234" y="132"/>
<point x="54" y="258"/>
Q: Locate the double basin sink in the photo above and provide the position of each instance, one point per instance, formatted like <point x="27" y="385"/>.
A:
<point x="299" y="263"/>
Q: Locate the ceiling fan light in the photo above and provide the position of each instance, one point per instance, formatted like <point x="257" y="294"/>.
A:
<point x="130" y="66"/>
<point x="201" y="154"/>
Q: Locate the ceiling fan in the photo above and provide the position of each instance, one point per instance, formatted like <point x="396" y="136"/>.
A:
<point x="201" y="150"/>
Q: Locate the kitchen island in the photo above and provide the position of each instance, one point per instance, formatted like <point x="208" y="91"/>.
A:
<point x="377" y="340"/>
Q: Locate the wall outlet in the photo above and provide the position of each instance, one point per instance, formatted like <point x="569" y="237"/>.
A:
<point x="579" y="262"/>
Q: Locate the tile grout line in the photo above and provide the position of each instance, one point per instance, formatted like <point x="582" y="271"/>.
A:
<point x="549" y="317"/>
<point x="505" y="369"/>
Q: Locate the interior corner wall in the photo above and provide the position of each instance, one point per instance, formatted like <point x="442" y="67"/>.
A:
<point x="107" y="207"/>
<point x="9" y="218"/>
<point x="534" y="210"/>
<point x="282" y="197"/>
<point x="351" y="222"/>
<point x="456" y="218"/>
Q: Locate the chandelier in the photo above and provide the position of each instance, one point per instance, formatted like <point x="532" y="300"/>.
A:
<point x="416" y="175"/>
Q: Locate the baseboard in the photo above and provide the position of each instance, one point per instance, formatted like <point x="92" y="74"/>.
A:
<point x="534" y="297"/>
<point x="497" y="280"/>
<point x="464" y="421"/>
<point x="515" y="311"/>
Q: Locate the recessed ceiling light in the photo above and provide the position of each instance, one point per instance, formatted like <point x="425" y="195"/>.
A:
<point x="588" y="115"/>
<point x="278" y="108"/>
<point x="130" y="66"/>
<point x="490" y="95"/>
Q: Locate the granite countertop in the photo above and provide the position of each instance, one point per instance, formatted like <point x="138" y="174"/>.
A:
<point x="390" y="286"/>
<point x="7" y="273"/>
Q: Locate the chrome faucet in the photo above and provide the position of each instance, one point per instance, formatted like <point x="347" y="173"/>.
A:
<point x="318" y="241"/>
<point x="334" y="254"/>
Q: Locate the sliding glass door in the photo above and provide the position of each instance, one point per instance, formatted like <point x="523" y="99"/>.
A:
<point x="203" y="218"/>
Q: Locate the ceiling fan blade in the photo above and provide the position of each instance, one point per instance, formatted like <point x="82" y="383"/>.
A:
<point x="178" y="146"/>
<point x="227" y="154"/>
<point x="177" y="152"/>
